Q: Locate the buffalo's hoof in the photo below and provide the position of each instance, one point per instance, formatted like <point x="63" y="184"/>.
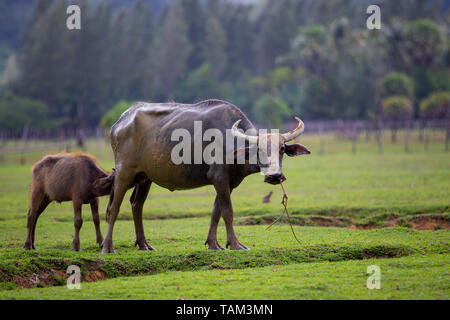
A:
<point x="111" y="250"/>
<point x="76" y="247"/>
<point x="143" y="245"/>
<point x="99" y="242"/>
<point x="28" y="246"/>
<point x="107" y="247"/>
<point x="147" y="247"/>
<point x="214" y="245"/>
<point x="237" y="246"/>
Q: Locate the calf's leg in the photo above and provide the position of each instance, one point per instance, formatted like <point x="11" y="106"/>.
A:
<point x="38" y="203"/>
<point x="226" y="209"/>
<point x="96" y="219"/>
<point x="78" y="223"/>
<point x="211" y="240"/>
<point x="137" y="200"/>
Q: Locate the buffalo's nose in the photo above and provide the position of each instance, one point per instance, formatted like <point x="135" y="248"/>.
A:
<point x="276" y="178"/>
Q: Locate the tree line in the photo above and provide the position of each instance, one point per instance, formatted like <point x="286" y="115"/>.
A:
<point x="273" y="59"/>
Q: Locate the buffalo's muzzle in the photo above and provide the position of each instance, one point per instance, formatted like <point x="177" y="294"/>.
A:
<point x="275" y="178"/>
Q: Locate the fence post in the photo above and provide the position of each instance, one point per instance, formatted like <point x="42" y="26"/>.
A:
<point x="2" y="146"/>
<point x="447" y="135"/>
<point x="354" y="136"/>
<point x="24" y="140"/>
<point x="98" y="135"/>
<point x="425" y="133"/>
<point x="367" y="130"/>
<point x="379" y="136"/>
<point x="67" y="140"/>
<point x="421" y="129"/>
<point x="322" y="142"/>
<point x="394" y="131"/>
<point x="407" y="126"/>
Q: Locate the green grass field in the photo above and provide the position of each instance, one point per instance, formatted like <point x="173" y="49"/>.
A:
<point x="349" y="211"/>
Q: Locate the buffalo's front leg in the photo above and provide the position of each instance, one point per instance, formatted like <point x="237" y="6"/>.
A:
<point x="226" y="209"/>
<point x="121" y="184"/>
<point x="137" y="200"/>
<point x="211" y="240"/>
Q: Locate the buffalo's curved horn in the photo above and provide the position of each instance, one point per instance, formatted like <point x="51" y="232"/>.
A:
<point x="235" y="132"/>
<point x="288" y="136"/>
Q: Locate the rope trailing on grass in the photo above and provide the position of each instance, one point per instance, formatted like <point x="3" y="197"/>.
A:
<point x="284" y="202"/>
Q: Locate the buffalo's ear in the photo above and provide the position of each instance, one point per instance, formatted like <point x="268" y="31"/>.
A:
<point x="293" y="150"/>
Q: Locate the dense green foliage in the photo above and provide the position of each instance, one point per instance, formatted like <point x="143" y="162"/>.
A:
<point x="397" y="108"/>
<point x="424" y="42"/>
<point x="201" y="84"/>
<point x="114" y="113"/>
<point x="190" y="50"/>
<point x="396" y="84"/>
<point x="270" y="110"/>
<point x="436" y="106"/>
<point x="13" y="14"/>
<point x="18" y="112"/>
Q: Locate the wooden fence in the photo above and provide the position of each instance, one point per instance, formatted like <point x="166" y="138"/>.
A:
<point x="21" y="142"/>
<point x="31" y="140"/>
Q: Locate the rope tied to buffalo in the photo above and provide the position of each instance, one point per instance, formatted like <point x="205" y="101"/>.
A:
<point x="284" y="202"/>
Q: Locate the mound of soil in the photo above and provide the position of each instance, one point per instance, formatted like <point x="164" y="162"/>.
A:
<point x="429" y="223"/>
<point x="324" y="222"/>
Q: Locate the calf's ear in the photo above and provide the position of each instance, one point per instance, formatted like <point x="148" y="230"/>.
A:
<point x="293" y="150"/>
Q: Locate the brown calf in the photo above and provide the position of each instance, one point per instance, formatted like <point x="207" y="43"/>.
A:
<point x="65" y="177"/>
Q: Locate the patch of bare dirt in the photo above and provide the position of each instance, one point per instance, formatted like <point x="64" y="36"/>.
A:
<point x="59" y="273"/>
<point x="325" y="222"/>
<point x="55" y="276"/>
<point x="391" y="223"/>
<point x="251" y="221"/>
<point x="217" y="267"/>
<point x="42" y="278"/>
<point x="93" y="276"/>
<point x="267" y="220"/>
<point x="50" y="278"/>
<point x="247" y="222"/>
<point x="336" y="222"/>
<point x="418" y="223"/>
<point x="367" y="254"/>
<point x="429" y="223"/>
<point x="360" y="227"/>
<point x="22" y="281"/>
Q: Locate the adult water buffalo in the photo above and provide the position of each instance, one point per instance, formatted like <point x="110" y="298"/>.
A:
<point x="142" y="142"/>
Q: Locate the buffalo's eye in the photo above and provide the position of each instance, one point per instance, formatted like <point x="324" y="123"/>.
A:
<point x="282" y="149"/>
